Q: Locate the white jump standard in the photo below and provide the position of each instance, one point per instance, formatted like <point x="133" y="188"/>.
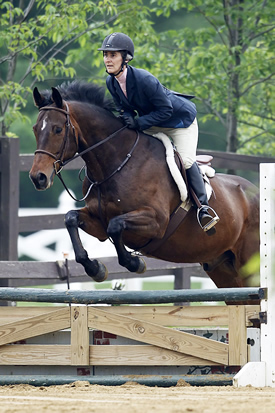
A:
<point x="262" y="373"/>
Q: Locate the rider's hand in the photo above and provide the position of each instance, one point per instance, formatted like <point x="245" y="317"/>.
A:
<point x="130" y="122"/>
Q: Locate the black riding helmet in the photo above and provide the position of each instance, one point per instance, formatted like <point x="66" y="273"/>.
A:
<point x="119" y="42"/>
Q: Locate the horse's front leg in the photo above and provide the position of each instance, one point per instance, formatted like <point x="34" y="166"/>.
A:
<point x="141" y="223"/>
<point x="82" y="219"/>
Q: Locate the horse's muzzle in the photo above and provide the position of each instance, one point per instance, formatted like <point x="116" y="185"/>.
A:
<point x="40" y="181"/>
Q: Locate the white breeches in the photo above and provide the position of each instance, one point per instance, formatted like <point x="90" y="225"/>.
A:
<point x="185" y="140"/>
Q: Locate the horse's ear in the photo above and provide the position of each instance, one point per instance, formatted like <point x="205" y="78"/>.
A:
<point x="39" y="99"/>
<point x="57" y="98"/>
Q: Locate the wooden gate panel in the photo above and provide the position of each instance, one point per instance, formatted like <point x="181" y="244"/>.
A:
<point x="157" y="335"/>
<point x="35" y="326"/>
<point x="160" y="345"/>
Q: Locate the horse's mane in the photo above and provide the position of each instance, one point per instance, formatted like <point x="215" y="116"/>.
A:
<point x="82" y="92"/>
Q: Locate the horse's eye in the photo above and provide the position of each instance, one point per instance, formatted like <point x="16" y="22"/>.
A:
<point x="58" y="130"/>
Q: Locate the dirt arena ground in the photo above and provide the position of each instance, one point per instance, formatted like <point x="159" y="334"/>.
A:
<point x="135" y="398"/>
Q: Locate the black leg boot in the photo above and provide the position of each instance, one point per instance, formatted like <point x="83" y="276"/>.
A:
<point x="206" y="221"/>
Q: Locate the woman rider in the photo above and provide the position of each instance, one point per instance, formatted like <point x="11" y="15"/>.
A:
<point x="159" y="110"/>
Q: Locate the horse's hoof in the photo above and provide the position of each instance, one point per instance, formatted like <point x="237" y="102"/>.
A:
<point x="142" y="266"/>
<point x="102" y="273"/>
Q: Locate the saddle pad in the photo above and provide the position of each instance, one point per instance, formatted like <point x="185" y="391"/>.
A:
<point x="206" y="170"/>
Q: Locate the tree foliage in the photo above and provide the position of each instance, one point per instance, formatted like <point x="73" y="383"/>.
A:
<point x="49" y="38"/>
<point x="229" y="62"/>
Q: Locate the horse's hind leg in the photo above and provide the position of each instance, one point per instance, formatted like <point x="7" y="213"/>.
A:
<point x="94" y="268"/>
<point x="224" y="273"/>
<point x="143" y="225"/>
<point x="125" y="258"/>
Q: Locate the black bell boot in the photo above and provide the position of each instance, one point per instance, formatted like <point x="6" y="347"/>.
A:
<point x="205" y="220"/>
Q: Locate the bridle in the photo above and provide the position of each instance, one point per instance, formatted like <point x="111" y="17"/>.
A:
<point x="60" y="156"/>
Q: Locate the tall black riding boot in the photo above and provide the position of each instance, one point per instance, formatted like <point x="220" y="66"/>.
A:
<point x="206" y="221"/>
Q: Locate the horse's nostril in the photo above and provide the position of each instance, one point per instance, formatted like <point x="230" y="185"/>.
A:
<point x="41" y="179"/>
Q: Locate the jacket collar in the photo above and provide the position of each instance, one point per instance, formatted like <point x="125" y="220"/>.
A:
<point x="130" y="87"/>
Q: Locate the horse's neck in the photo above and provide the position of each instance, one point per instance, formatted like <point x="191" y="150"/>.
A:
<point x="102" y="159"/>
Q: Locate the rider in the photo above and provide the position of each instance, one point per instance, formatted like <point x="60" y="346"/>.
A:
<point x="159" y="110"/>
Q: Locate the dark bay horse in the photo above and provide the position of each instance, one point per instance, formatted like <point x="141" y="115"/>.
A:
<point x="130" y="194"/>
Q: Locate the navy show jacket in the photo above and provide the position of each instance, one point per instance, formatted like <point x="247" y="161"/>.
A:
<point x="155" y="104"/>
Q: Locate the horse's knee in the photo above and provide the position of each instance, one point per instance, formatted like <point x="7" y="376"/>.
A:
<point x="71" y="219"/>
<point x="115" y="227"/>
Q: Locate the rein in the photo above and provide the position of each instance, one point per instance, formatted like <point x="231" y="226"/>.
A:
<point x="98" y="183"/>
<point x="60" y="155"/>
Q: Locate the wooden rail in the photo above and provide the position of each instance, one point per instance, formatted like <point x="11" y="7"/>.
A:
<point x="29" y="273"/>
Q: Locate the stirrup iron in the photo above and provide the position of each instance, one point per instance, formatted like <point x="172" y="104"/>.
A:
<point x="210" y="224"/>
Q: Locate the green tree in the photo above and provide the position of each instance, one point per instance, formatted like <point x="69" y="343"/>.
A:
<point x="229" y="63"/>
<point x="49" y="38"/>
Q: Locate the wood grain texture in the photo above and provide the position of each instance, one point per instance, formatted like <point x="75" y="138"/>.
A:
<point x="163" y="337"/>
<point x="79" y="336"/>
<point x="35" y="326"/>
<point x="237" y="336"/>
<point x="35" y="355"/>
<point x="142" y="355"/>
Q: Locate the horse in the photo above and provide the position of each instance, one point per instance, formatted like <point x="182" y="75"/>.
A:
<point x="130" y="194"/>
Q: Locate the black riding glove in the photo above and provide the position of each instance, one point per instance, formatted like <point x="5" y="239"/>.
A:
<point x="130" y="122"/>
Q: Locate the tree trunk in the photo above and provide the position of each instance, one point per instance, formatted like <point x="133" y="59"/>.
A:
<point x="235" y="44"/>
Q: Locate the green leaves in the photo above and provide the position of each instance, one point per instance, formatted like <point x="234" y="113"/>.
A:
<point x="228" y="63"/>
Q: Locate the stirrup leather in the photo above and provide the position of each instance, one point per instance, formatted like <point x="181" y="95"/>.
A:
<point x="210" y="224"/>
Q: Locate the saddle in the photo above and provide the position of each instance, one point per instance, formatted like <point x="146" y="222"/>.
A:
<point x="177" y="169"/>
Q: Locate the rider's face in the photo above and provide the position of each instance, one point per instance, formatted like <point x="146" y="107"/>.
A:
<point x="112" y="61"/>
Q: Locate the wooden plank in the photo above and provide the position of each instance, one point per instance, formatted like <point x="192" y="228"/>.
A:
<point x="164" y="337"/>
<point x="237" y="336"/>
<point x="176" y="316"/>
<point x="27" y="270"/>
<point x="35" y="355"/>
<point x="141" y="355"/>
<point x="39" y="222"/>
<point x="173" y="316"/>
<point x="12" y="314"/>
<point x="79" y="336"/>
<point x="126" y="355"/>
<point x="226" y="160"/>
<point x="35" y="326"/>
<point x="26" y="160"/>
